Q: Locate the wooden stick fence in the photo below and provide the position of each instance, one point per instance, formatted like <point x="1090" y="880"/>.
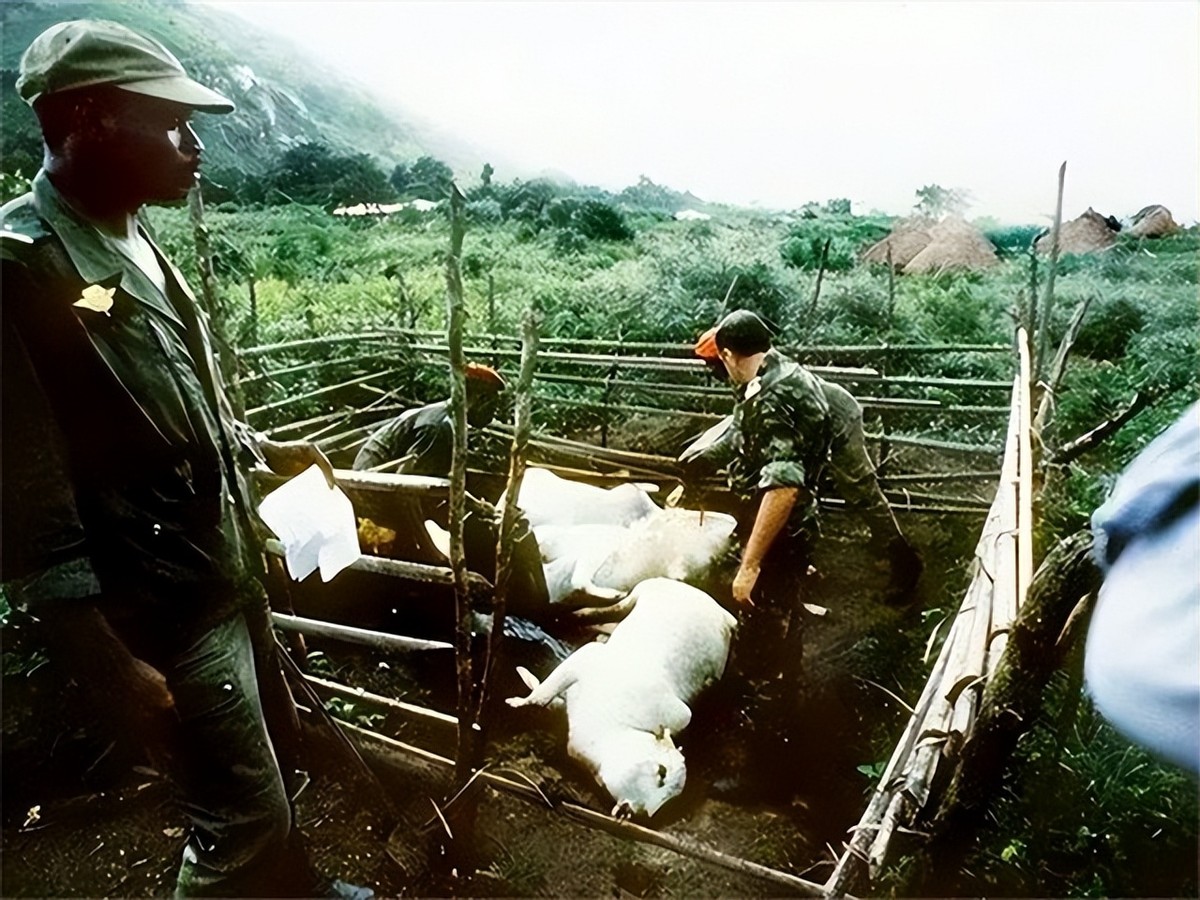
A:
<point x="384" y="749"/>
<point x="316" y="365"/>
<point x="685" y="349"/>
<point x="375" y="639"/>
<point x="943" y="715"/>
<point x="627" y="387"/>
<point x="330" y="389"/>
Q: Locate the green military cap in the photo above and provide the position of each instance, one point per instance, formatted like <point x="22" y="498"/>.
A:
<point x="94" y="52"/>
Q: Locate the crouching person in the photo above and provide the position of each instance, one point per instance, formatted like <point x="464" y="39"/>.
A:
<point x="126" y="518"/>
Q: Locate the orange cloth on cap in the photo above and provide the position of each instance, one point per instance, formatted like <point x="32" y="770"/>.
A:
<point x="706" y="345"/>
<point x="485" y="374"/>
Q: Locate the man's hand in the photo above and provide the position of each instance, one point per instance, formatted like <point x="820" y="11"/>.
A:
<point x="146" y="689"/>
<point x="148" y="709"/>
<point x="126" y="689"/>
<point x="743" y="583"/>
<point x="293" y="457"/>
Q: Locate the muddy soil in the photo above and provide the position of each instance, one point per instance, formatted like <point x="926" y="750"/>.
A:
<point x="81" y="819"/>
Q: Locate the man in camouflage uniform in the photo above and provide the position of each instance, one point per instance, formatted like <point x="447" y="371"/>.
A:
<point x="787" y="425"/>
<point x="776" y="444"/>
<point x="420" y="441"/>
<point x="849" y="464"/>
<point x="127" y="522"/>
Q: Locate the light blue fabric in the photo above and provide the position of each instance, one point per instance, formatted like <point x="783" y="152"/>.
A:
<point x="1160" y="484"/>
<point x="1142" y="661"/>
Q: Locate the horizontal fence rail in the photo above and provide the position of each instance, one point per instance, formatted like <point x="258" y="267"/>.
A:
<point x="634" y="379"/>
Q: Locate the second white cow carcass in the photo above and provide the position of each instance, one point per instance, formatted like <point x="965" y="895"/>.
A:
<point x="594" y="565"/>
<point x="626" y="697"/>
<point x="547" y="499"/>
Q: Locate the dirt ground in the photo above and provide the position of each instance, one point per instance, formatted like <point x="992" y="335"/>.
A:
<point x="84" y="820"/>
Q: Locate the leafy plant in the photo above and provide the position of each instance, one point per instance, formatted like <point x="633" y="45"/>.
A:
<point x="353" y="713"/>
<point x="846" y="236"/>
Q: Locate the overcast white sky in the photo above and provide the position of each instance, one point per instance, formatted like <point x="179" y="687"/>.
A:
<point x="780" y="103"/>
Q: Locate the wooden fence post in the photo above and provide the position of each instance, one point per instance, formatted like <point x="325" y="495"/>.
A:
<point x="1032" y="310"/>
<point x="816" y="294"/>
<point x="1012" y="698"/>
<point x="1048" y="299"/>
<point x="522" y="425"/>
<point x="210" y="301"/>
<point x="605" y="397"/>
<point x="455" y="316"/>
<point x="250" y="287"/>
<point x="885" y="446"/>
<point x="891" y="307"/>
<point x="492" y="318"/>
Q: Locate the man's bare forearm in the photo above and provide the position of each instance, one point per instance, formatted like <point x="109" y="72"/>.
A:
<point x="773" y="512"/>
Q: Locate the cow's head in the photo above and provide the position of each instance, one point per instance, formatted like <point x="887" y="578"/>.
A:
<point x="646" y="776"/>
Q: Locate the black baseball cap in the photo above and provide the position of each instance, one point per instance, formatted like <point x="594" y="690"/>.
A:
<point x="743" y="332"/>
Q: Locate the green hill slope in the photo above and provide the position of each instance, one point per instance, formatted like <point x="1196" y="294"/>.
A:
<point x="283" y="97"/>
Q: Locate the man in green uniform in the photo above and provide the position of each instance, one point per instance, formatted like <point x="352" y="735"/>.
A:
<point x="420" y="441"/>
<point x="787" y="425"/>
<point x="126" y="517"/>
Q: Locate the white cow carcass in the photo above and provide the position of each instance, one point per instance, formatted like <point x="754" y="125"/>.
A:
<point x="547" y="499"/>
<point x="671" y="543"/>
<point x="626" y="697"/>
<point x="593" y="565"/>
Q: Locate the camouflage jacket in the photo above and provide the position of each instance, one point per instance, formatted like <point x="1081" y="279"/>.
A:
<point x="783" y="428"/>
<point x="419" y="441"/>
<point x="121" y="476"/>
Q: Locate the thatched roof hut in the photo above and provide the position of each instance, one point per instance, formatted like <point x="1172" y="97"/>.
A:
<point x="908" y="238"/>
<point x="1090" y="233"/>
<point x="954" y="245"/>
<point x="1152" y="222"/>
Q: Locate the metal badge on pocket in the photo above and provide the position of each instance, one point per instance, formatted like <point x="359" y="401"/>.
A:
<point x="96" y="298"/>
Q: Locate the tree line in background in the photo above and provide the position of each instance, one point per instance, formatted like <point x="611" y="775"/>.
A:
<point x="315" y="174"/>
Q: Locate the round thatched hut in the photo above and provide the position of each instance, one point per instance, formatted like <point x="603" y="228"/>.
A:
<point x="1090" y="233"/>
<point x="908" y="238"/>
<point x="1153" y="222"/>
<point x="954" y="245"/>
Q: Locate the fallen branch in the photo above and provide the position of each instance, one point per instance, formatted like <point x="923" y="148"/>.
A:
<point x="1013" y="697"/>
<point x="1050" y="385"/>
<point x="1072" y="450"/>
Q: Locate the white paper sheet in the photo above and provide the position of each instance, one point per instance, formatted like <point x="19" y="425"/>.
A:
<point x="315" y="524"/>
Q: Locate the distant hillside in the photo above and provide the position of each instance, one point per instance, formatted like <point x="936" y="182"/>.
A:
<point x="283" y="97"/>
